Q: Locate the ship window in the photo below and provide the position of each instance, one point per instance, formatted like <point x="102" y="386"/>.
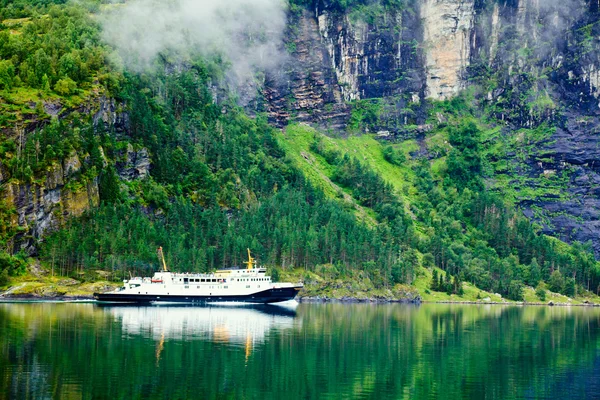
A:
<point x="186" y="286"/>
<point x="203" y="280"/>
<point x="247" y="286"/>
<point x="226" y="287"/>
<point x="197" y="287"/>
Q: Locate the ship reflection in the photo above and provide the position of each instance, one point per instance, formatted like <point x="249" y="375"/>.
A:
<point x="233" y="325"/>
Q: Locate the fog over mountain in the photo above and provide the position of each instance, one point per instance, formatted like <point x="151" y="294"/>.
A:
<point x="246" y="33"/>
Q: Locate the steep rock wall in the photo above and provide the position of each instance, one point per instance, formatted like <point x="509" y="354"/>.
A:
<point x="543" y="61"/>
<point x="338" y="58"/>
<point x="44" y="206"/>
<point x="60" y="192"/>
<point x="447" y="28"/>
<point x="306" y="88"/>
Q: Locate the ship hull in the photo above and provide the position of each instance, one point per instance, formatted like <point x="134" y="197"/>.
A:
<point x="274" y="295"/>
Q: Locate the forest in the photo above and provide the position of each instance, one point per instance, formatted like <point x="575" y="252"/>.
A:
<point x="220" y="181"/>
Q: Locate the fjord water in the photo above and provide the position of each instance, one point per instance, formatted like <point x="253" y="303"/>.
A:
<point x="333" y="351"/>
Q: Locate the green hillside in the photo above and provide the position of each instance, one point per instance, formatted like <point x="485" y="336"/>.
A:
<point x="351" y="214"/>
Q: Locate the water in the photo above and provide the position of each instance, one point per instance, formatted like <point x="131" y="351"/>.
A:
<point x="330" y="351"/>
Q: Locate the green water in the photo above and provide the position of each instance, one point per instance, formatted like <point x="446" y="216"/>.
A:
<point x="333" y="351"/>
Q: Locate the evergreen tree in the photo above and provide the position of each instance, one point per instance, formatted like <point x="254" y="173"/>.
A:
<point x="434" y="281"/>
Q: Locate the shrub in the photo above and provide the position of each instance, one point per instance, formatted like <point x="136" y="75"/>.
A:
<point x="515" y="290"/>
<point x="65" y="86"/>
<point x="540" y="292"/>
<point x="556" y="283"/>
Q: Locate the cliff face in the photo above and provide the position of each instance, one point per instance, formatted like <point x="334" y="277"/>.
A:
<point x="62" y="192"/>
<point x="337" y="58"/>
<point x="447" y="33"/>
<point x="45" y="205"/>
<point x="544" y="59"/>
<point x="533" y="62"/>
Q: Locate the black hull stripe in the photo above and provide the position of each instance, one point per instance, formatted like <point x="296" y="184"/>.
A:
<point x="266" y="296"/>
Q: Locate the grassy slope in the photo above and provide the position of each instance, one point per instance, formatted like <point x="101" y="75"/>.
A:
<point x="297" y="139"/>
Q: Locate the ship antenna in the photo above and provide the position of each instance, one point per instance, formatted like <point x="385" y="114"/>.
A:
<point x="161" y="257"/>
<point x="250" y="263"/>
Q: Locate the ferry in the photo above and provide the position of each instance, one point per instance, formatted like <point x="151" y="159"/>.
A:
<point x="246" y="285"/>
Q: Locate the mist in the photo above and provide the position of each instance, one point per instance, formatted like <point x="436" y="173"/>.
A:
<point x="247" y="34"/>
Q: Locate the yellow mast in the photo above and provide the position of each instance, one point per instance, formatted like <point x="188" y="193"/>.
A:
<point x="250" y="263"/>
<point x="161" y="257"/>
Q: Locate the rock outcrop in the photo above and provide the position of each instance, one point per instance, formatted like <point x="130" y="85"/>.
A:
<point x="133" y="164"/>
<point x="44" y="206"/>
<point x="447" y="29"/>
<point x="62" y="191"/>
<point x="337" y="58"/>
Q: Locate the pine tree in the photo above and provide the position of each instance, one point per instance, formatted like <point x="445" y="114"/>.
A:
<point x="434" y="281"/>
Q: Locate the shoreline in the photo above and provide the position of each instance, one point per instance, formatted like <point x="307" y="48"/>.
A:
<point x="344" y="300"/>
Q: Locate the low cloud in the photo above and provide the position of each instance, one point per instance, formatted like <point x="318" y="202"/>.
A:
<point x="246" y="33"/>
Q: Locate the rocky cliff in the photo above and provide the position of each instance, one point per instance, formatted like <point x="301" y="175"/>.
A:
<point x="529" y="63"/>
<point x="338" y="58"/>
<point x="45" y="205"/>
<point x="49" y="199"/>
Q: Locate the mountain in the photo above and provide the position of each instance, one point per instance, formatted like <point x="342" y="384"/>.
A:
<point x="384" y="140"/>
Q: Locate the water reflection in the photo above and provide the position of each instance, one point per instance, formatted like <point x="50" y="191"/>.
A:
<point x="234" y="325"/>
<point x="316" y="351"/>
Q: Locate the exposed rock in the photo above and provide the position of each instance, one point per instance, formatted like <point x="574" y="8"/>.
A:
<point x="447" y="29"/>
<point x="337" y="59"/>
<point x="134" y="164"/>
<point x="110" y="115"/>
<point x="71" y="165"/>
<point x="53" y="108"/>
<point x="306" y="89"/>
<point x="40" y="208"/>
<point x="68" y="282"/>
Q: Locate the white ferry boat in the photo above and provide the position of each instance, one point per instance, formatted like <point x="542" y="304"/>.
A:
<point x="249" y="285"/>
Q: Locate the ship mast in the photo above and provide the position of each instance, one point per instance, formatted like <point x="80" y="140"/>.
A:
<point x="251" y="261"/>
<point x="161" y="257"/>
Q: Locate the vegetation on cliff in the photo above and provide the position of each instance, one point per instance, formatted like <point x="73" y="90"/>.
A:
<point x="221" y="181"/>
